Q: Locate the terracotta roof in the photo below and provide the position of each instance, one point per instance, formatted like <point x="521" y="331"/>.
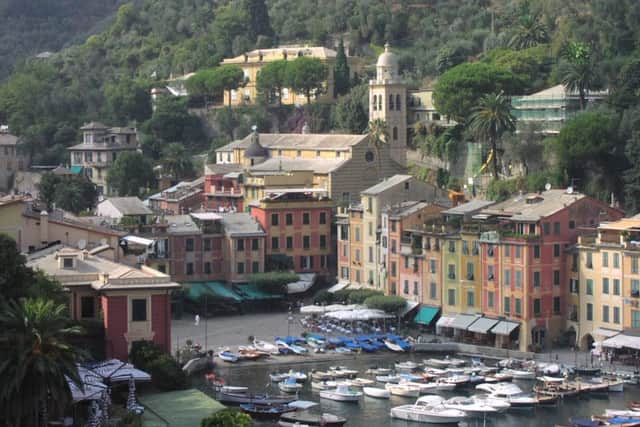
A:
<point x="387" y="184"/>
<point x="301" y="141"/>
<point x="533" y="206"/>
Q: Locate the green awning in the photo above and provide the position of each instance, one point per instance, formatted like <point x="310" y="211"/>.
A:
<point x="252" y="292"/>
<point x="214" y="289"/>
<point x="76" y="169"/>
<point x="426" y="315"/>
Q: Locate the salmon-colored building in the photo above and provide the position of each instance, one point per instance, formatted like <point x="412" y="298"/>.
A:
<point x="243" y="248"/>
<point x="223" y="187"/>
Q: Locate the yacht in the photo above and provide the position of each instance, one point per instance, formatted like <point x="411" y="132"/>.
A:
<point x="428" y="411"/>
<point x="510" y="393"/>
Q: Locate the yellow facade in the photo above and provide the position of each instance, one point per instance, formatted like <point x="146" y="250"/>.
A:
<point x="470" y="274"/>
<point x="255" y="184"/>
<point x="356" y="246"/>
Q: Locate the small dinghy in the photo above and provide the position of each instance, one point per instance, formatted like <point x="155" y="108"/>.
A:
<point x="265" y="412"/>
<point x="406" y="366"/>
<point x="404" y="390"/>
<point x="298" y="419"/>
<point x="378" y="393"/>
<point x="227" y="356"/>
<point x="290" y="385"/>
<point x="342" y="394"/>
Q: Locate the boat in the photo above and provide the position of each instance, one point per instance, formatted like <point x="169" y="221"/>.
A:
<point x="276" y="377"/>
<point x="234" y="389"/>
<point x="299" y="376"/>
<point x="393" y="346"/>
<point x="323" y="385"/>
<point x="258" y="399"/>
<point x="604" y="421"/>
<point x="498" y="404"/>
<point x="342" y="372"/>
<point x="444" y="363"/>
<point x="559" y="387"/>
<point x="290" y="385"/>
<point x="378" y="393"/>
<point x="298" y="419"/>
<point x="248" y="354"/>
<point x="405" y="390"/>
<point x="457" y="380"/>
<point x="291" y="340"/>
<point x="521" y="374"/>
<point x="586" y="371"/>
<point x="265" y="412"/>
<point x="361" y="382"/>
<point x="510" y="393"/>
<point x="427" y="412"/>
<point x="411" y="377"/>
<point x="298" y="349"/>
<point x="405" y="346"/>
<point x="406" y="366"/>
<point x="437" y="386"/>
<point x="342" y="350"/>
<point x="228" y="356"/>
<point x="374" y="370"/>
<point x="388" y="379"/>
<point x="342" y="393"/>
<point x="321" y="375"/>
<point x="592" y="387"/>
<point x="629" y="413"/>
<point x="469" y="405"/>
<point x="265" y="346"/>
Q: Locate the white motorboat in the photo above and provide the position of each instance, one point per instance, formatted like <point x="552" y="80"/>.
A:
<point x="510" y="393"/>
<point x="457" y="380"/>
<point x="437" y="386"/>
<point x="521" y="374"/>
<point x="299" y="376"/>
<point x="615" y="384"/>
<point x="405" y="390"/>
<point x="499" y="404"/>
<point x="548" y="369"/>
<point x="323" y="385"/>
<point x="342" y="393"/>
<point x="234" y="389"/>
<point x="388" y="379"/>
<point x="342" y="372"/>
<point x="626" y="413"/>
<point x="228" y="356"/>
<point x="265" y="346"/>
<point x="378" y="393"/>
<point x="444" y="363"/>
<point x="290" y="385"/>
<point x="393" y="346"/>
<point x="276" y="377"/>
<point x="425" y="411"/>
<point x="379" y="371"/>
<point x="469" y="405"/>
<point x="321" y="375"/>
<point x="359" y="382"/>
<point x="406" y="366"/>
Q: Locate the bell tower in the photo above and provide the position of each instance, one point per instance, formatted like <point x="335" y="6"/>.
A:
<point x="388" y="102"/>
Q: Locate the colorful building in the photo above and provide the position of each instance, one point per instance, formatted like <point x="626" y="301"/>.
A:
<point x="182" y="198"/>
<point x="12" y="160"/>
<point x="223" y="187"/>
<point x="133" y="304"/>
<point x="297" y="223"/>
<point x="243" y="248"/>
<point x="258" y="183"/>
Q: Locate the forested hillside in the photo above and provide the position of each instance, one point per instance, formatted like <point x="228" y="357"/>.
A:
<point x="488" y="46"/>
<point x="28" y="27"/>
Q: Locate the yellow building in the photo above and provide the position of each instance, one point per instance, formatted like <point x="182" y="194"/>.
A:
<point x="256" y="182"/>
<point x="251" y="63"/>
<point x="422" y="110"/>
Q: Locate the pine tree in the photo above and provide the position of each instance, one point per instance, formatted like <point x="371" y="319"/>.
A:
<point x="341" y="72"/>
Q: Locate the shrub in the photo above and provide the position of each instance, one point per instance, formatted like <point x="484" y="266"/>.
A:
<point x="273" y="282"/>
<point x="227" y="417"/>
<point x="165" y="371"/>
<point x="359" y="296"/>
<point x="389" y="304"/>
<point x="324" y="297"/>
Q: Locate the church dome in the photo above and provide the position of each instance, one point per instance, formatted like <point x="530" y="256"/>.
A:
<point x="255" y="149"/>
<point x="387" y="65"/>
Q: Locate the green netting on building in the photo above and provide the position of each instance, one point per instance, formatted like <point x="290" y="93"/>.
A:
<point x="252" y="292"/>
<point x="213" y="289"/>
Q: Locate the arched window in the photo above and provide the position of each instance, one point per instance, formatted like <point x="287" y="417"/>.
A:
<point x="390" y="102"/>
<point x="380" y="102"/>
<point x="375" y="102"/>
<point x="395" y="133"/>
<point x="398" y="103"/>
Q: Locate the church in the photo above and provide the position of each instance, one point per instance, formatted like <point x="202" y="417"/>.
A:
<point x="342" y="164"/>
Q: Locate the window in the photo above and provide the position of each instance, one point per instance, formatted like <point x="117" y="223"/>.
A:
<point x="556" y="228"/>
<point x="207" y="244"/>
<point x="189" y="269"/>
<point x="207" y="268"/>
<point x="452" y="246"/>
<point x="357" y="255"/>
<point x="536" y="279"/>
<point x="605" y="313"/>
<point x="605" y="259"/>
<point x="605" y="285"/>
<point x="589" y="287"/>
<point x="323" y="261"/>
<point x="556" y="305"/>
<point x="275" y="243"/>
<point x="572" y="224"/>
<point x="358" y="279"/>
<point x="574" y="286"/>
<point x="556" y="277"/>
<point x="547" y="228"/>
<point x="432" y="266"/>
<point x="288" y="219"/>
<point x="416" y="288"/>
<point x="589" y="311"/>
<point x="393" y="269"/>
<point x="255" y="244"/>
<point x="507" y="250"/>
<point x="398" y="103"/>
<point x="616" y="286"/>
<point x="357" y="234"/>
<point x="345" y="250"/>
<point x="536" y="251"/>
<point x="390" y="102"/>
<point x="518" y="251"/>
<point x="87" y="307"/>
<point x="635" y="288"/>
<point x="433" y="291"/>
<point x="616" y="260"/>
<point x="323" y="241"/>
<point x="451" y="297"/>
<point x="345" y="272"/>
<point x="189" y="245"/>
<point x="507" y="305"/>
<point x="470" y="271"/>
<point x="518" y="278"/>
<point x="393" y="246"/>
<point x="536" y="306"/>
<point x="589" y="262"/>
<point x="490" y="251"/>
<point x="138" y="310"/>
<point x="240" y="268"/>
<point x="616" y="315"/>
<point x="518" y="310"/>
<point x="393" y="226"/>
<point x="507" y="277"/>
<point x="323" y="218"/>
<point x="634" y="264"/>
<point x="452" y="271"/>
<point x="406" y="286"/>
<point x="289" y="242"/>
<point x="490" y="273"/>
<point x="406" y="262"/>
<point x="490" y="299"/>
<point x="394" y="133"/>
<point x="465" y="247"/>
<point x="240" y="245"/>
<point x="635" y="318"/>
<point x="470" y="299"/>
<point x="275" y="219"/>
<point x="67" y="262"/>
<point x="255" y="267"/>
<point x="305" y="218"/>
<point x="370" y="227"/>
<point x="556" y="250"/>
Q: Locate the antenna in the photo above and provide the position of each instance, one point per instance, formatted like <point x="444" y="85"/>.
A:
<point x="547" y="186"/>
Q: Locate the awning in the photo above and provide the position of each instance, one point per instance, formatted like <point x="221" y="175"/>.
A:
<point x="504" y="327"/>
<point x="116" y="370"/>
<point x="76" y="169"/>
<point x="445" y="321"/>
<point x="622" y="340"/>
<point x="606" y="333"/>
<point x="206" y="216"/>
<point x="426" y="315"/>
<point x="214" y="289"/>
<point x="462" y="321"/>
<point x="338" y="287"/>
<point x="251" y="292"/>
<point x="408" y="306"/>
<point x="139" y="240"/>
<point x="482" y="325"/>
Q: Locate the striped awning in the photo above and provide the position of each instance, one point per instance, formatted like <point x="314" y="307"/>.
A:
<point x="482" y="325"/>
<point x="504" y="327"/>
<point x="463" y="321"/>
<point x="604" y="332"/>
<point x="445" y="321"/>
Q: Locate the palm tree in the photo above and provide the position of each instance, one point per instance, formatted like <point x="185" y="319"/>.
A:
<point x="579" y="76"/>
<point x="36" y="361"/>
<point x="529" y="33"/>
<point x="176" y="161"/>
<point x="378" y="137"/>
<point x="490" y="119"/>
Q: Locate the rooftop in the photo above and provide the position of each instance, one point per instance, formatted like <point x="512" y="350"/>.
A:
<point x="300" y="141"/>
<point x="406" y="208"/>
<point x="278" y="52"/>
<point x="632" y="223"/>
<point x="128" y="205"/>
<point x="533" y="206"/>
<point x="469" y="207"/>
<point x="278" y="164"/>
<point x="222" y="168"/>
<point x="8" y="139"/>
<point x="181" y="224"/>
<point x="387" y="184"/>
<point x="241" y="224"/>
<point x="102" y="146"/>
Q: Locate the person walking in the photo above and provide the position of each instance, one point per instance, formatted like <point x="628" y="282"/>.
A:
<point x="197" y="320"/>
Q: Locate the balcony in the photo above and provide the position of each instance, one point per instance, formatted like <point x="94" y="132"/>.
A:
<point x="635" y="293"/>
<point x="225" y="192"/>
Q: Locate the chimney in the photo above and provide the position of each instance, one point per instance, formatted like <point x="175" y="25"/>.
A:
<point x="85" y="254"/>
<point x="44" y="227"/>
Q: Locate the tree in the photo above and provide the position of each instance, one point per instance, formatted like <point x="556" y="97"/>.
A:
<point x="378" y="137"/>
<point x="274" y="282"/>
<point x="271" y="80"/>
<point x="36" y="361"/>
<point x="341" y="73"/>
<point x="306" y="75"/>
<point x="389" y="304"/>
<point x="529" y="32"/>
<point x="227" y="417"/>
<point x="172" y="122"/>
<point x="205" y="84"/>
<point x="259" y="23"/>
<point x="127" y="100"/>
<point x="72" y="193"/>
<point x="530" y="67"/>
<point x="490" y="119"/>
<point x="176" y="161"/>
<point x="351" y="111"/>
<point x="229" y="77"/>
<point x="578" y="72"/>
<point x="130" y="175"/>
<point x="459" y="89"/>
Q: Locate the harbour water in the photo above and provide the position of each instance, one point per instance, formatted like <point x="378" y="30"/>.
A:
<point x="370" y="412"/>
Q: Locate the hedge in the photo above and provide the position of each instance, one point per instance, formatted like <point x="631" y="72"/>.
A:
<point x="273" y="282"/>
<point x="389" y="304"/>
